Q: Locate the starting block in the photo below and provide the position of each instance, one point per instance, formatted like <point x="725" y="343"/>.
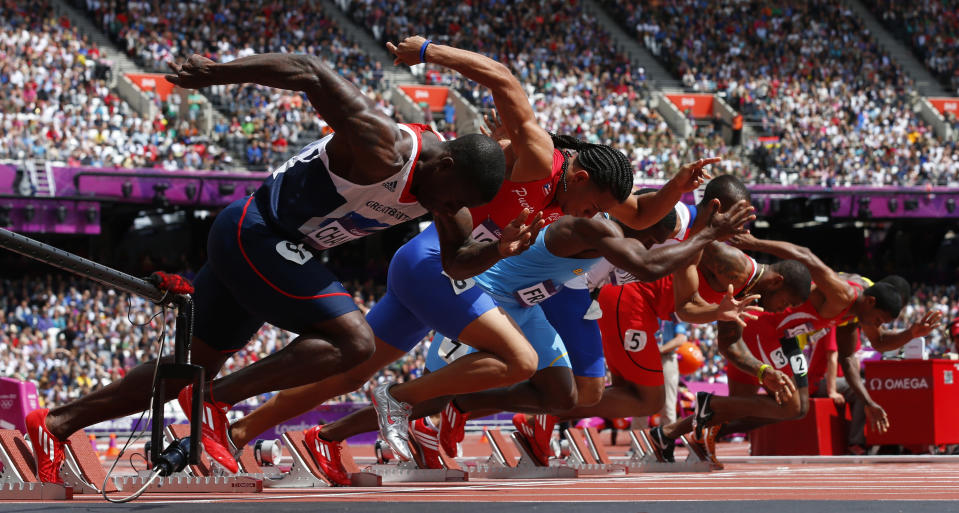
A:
<point x="413" y="472"/>
<point x="81" y="467"/>
<point x="82" y="470"/>
<point x="18" y="478"/>
<point x="514" y="460"/>
<point x="644" y="457"/>
<point x="304" y="473"/>
<point x="588" y="455"/>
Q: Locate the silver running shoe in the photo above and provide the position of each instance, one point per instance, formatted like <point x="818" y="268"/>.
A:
<point x="394" y="419"/>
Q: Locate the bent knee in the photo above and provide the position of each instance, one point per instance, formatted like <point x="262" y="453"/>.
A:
<point x="563" y="402"/>
<point x="522" y="364"/>
<point x="795" y="409"/>
<point x="356" y="344"/>
<point x="590" y="394"/>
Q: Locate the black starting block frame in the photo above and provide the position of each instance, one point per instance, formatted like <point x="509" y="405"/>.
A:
<point x="178" y="370"/>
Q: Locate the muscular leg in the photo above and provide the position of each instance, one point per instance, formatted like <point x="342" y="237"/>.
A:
<point x="296" y="401"/>
<point x="364" y="421"/>
<point x="797" y="409"/>
<point x="128" y="395"/>
<point x="622" y="399"/>
<point x="744" y="410"/>
<point x="549" y="390"/>
<point x="329" y="347"/>
<point x="505" y="357"/>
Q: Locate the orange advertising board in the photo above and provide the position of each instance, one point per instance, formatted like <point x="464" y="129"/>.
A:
<point x="152" y="82"/>
<point x="944" y="105"/>
<point x="701" y="105"/>
<point x="434" y="96"/>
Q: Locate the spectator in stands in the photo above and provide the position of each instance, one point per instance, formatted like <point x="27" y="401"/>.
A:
<point x="811" y="76"/>
<point x="55" y="104"/>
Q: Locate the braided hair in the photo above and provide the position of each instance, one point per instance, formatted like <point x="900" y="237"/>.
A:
<point x="608" y="167"/>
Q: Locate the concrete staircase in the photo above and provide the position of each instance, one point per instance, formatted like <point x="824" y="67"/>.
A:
<point x="121" y="63"/>
<point x="926" y="83"/>
<point x="656" y="75"/>
<point x="393" y="74"/>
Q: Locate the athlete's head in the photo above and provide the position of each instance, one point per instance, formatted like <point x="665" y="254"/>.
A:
<point x="468" y="173"/>
<point x="901" y="285"/>
<point x="598" y="178"/>
<point x="655" y="234"/>
<point x="880" y="303"/>
<point x="727" y="189"/>
<point x="789" y="286"/>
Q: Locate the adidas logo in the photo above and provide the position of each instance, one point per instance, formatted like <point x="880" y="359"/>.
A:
<point x="390" y="186"/>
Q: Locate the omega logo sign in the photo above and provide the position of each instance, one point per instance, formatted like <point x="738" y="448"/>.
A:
<point x="898" y="384"/>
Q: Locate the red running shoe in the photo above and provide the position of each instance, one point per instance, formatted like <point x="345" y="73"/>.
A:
<point x="543" y="425"/>
<point x="452" y="428"/>
<point x="527" y="431"/>
<point x="427" y="443"/>
<point x="327" y="456"/>
<point x="214" y="429"/>
<point x="46" y="448"/>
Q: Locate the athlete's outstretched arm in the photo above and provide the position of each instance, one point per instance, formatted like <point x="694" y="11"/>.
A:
<point x="641" y="212"/>
<point x="876" y="417"/>
<point x="883" y="340"/>
<point x="464" y="257"/>
<point x="341" y="104"/>
<point x="531" y="144"/>
<point x="730" y="344"/>
<point x="649" y="265"/>
<point x="839" y="294"/>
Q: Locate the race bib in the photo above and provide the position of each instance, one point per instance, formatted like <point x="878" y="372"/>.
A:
<point x="798" y="364"/>
<point x="634" y="340"/>
<point x="778" y="358"/>
<point x="452" y="349"/>
<point x="487" y="231"/>
<point x="330" y="235"/>
<point x="296" y="253"/>
<point x="460" y="286"/>
<point x="534" y="294"/>
<point x="621" y="277"/>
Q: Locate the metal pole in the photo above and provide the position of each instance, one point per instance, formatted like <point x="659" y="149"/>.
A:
<point x="78" y="265"/>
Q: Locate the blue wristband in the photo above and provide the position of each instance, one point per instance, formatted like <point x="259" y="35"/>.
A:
<point x="423" y="50"/>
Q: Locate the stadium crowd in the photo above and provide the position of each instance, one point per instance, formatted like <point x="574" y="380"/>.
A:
<point x="72" y="336"/>
<point x="810" y="75"/>
<point x="263" y="124"/>
<point x="931" y="28"/>
<point x="55" y="104"/>
<point x="577" y="80"/>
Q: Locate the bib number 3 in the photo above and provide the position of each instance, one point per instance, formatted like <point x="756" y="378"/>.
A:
<point x="460" y="286"/>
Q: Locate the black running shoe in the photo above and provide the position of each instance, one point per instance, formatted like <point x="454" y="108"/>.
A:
<point x="703" y="413"/>
<point x="663" y="443"/>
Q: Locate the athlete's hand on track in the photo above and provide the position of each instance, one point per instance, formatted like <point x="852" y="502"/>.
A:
<point x="408" y="51"/>
<point x="738" y="310"/>
<point x="876" y="418"/>
<point x="519" y="235"/>
<point x="779" y="385"/>
<point x="691" y="176"/>
<point x="733" y="222"/>
<point x="195" y="73"/>
<point x="925" y="325"/>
